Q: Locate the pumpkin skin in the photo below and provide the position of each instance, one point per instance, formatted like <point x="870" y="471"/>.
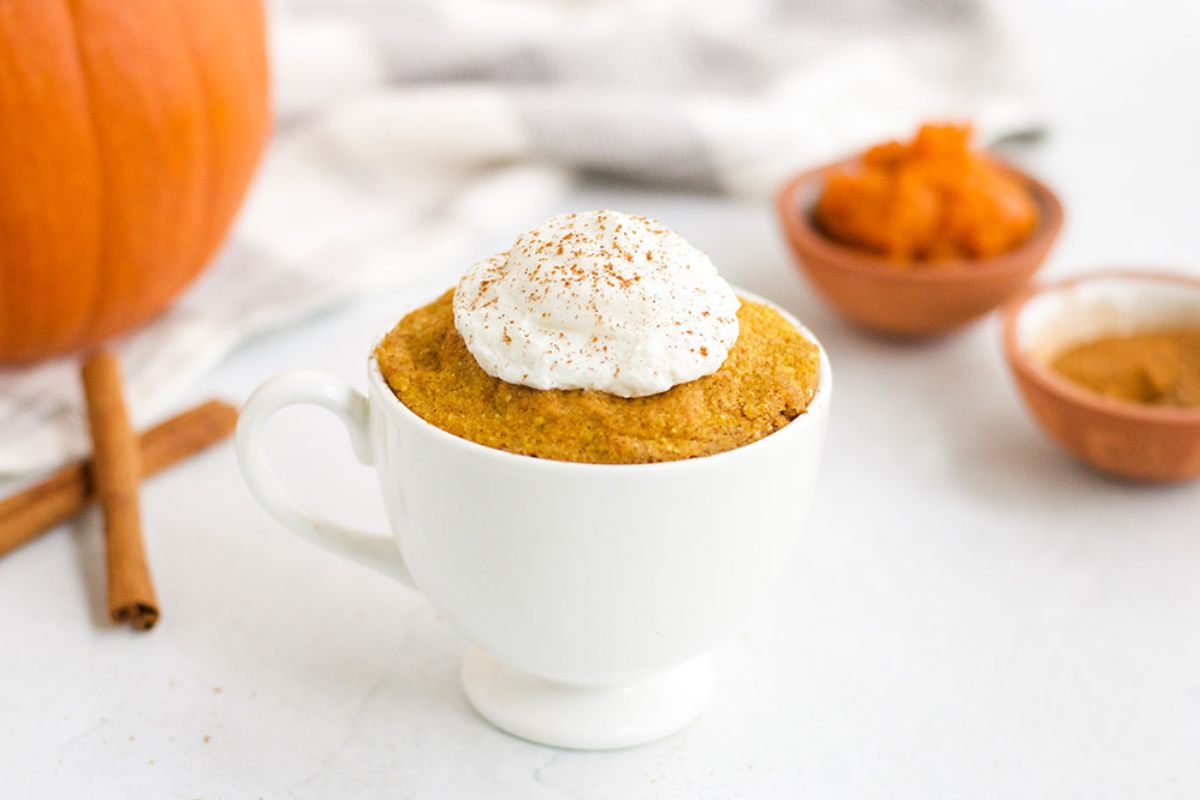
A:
<point x="129" y="131"/>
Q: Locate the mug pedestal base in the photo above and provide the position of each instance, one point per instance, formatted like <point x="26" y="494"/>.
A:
<point x="586" y="717"/>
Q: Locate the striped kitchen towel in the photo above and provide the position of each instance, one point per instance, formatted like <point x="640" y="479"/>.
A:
<point x="409" y="132"/>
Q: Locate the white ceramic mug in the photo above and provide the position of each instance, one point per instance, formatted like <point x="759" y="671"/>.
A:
<point x="592" y="592"/>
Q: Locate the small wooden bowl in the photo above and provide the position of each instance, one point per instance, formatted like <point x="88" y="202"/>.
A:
<point x="910" y="302"/>
<point x="1127" y="439"/>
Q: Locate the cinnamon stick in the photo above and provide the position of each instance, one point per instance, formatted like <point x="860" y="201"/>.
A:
<point x="116" y="471"/>
<point x="67" y="491"/>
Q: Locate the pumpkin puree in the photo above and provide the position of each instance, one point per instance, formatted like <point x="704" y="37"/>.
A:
<point x="929" y="200"/>
<point x="1160" y="368"/>
<point x="767" y="381"/>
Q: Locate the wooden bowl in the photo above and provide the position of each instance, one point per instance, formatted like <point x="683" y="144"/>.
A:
<point x="910" y="302"/>
<point x="1122" y="438"/>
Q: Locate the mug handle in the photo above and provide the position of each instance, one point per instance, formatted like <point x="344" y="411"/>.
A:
<point x="306" y="387"/>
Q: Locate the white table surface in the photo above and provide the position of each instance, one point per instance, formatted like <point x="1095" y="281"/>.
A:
<point x="969" y="614"/>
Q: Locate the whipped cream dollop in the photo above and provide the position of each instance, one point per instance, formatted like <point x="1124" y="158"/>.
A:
<point x="597" y="300"/>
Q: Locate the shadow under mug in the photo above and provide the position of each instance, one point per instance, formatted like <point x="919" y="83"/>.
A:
<point x="592" y="593"/>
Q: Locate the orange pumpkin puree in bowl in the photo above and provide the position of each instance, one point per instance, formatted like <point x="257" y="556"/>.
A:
<point x="932" y="199"/>
<point x="1159" y="368"/>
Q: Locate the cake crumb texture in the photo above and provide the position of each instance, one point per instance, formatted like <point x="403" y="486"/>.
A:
<point x="768" y="380"/>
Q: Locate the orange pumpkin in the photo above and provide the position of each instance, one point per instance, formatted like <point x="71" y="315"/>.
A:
<point x="128" y="133"/>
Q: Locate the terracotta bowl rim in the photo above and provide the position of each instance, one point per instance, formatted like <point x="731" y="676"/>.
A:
<point x="1066" y="391"/>
<point x="804" y="234"/>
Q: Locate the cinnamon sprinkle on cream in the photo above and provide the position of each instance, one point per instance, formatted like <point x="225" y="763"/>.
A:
<point x="587" y="315"/>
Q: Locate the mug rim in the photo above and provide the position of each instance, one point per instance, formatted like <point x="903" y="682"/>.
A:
<point x="817" y="405"/>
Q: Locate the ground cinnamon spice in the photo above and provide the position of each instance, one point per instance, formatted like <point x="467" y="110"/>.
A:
<point x="1160" y="368"/>
<point x="928" y="200"/>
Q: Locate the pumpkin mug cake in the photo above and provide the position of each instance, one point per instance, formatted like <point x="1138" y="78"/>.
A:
<point x="514" y="424"/>
<point x="600" y="337"/>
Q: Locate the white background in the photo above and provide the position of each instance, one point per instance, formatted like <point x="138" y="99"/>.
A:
<point x="970" y="614"/>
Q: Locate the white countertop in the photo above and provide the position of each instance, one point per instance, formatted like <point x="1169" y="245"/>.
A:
<point x="970" y="614"/>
